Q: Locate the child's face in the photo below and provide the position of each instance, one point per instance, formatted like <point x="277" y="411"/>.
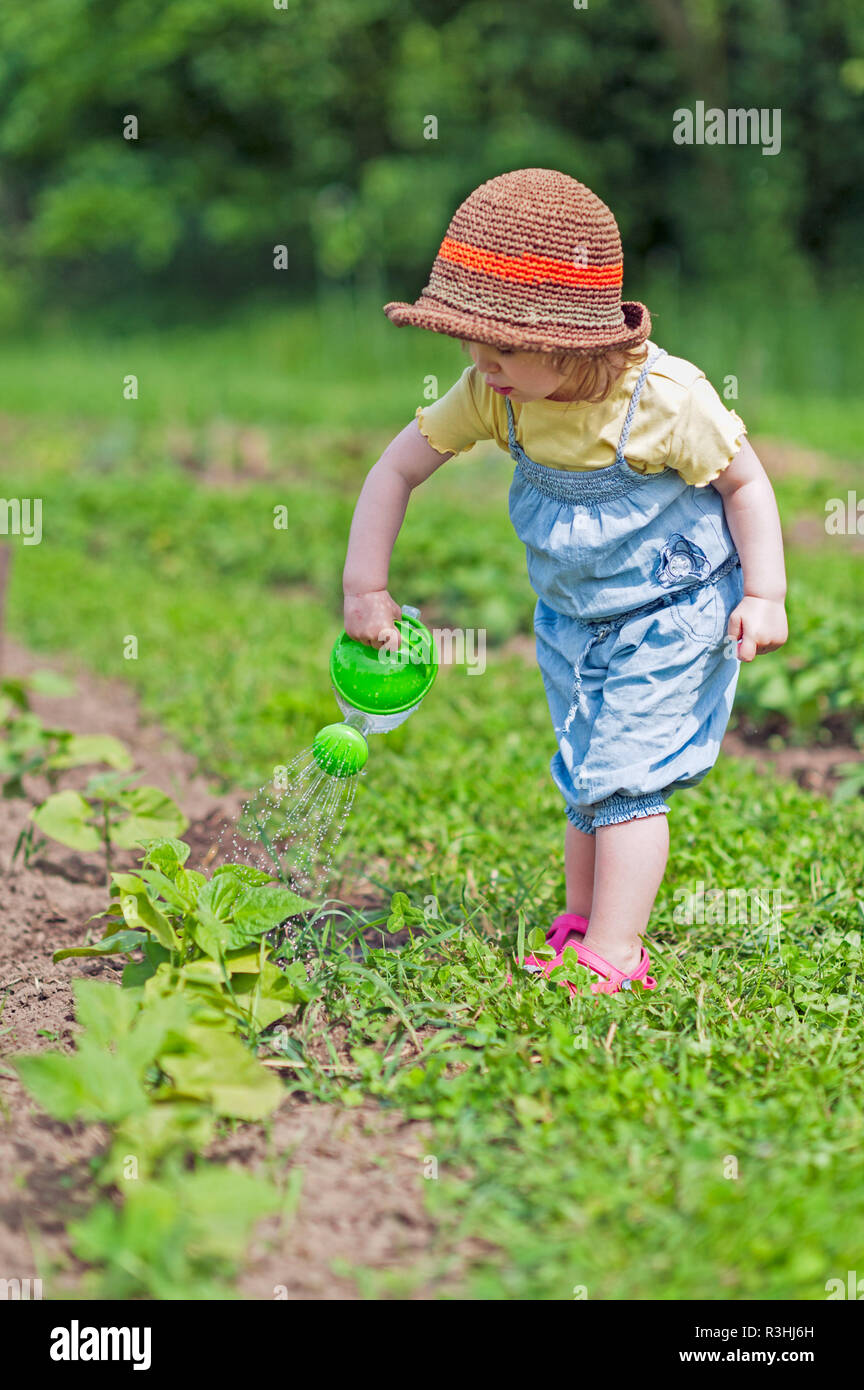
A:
<point x="523" y="376"/>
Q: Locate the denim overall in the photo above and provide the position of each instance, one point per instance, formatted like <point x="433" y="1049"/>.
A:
<point x="636" y="576"/>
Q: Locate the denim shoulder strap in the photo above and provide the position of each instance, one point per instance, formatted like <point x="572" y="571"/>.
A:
<point x="515" y="451"/>
<point x="634" y="401"/>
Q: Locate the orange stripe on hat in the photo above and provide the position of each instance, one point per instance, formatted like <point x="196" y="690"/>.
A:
<point x="530" y="269"/>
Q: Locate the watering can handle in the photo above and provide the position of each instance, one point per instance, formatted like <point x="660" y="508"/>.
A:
<point x="409" y="612"/>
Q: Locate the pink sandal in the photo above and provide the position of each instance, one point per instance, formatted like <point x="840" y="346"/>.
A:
<point x="612" y="980"/>
<point x="567" y="925"/>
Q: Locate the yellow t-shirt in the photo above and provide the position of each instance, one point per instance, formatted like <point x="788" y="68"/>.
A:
<point x="680" y="422"/>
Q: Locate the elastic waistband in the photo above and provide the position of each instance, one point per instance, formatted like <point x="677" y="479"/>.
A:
<point x="666" y="600"/>
<point x="593" y="484"/>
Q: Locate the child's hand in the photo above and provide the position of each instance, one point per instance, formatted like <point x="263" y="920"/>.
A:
<point x="760" y="626"/>
<point x="370" y="617"/>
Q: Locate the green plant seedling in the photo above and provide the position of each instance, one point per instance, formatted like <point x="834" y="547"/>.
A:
<point x="108" y="814"/>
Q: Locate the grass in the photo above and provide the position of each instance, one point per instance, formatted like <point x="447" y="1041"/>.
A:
<point x="700" y="1142"/>
<point x="179" y="564"/>
<point x="792" y="369"/>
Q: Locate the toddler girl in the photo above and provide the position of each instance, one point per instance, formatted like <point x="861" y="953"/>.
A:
<point x="650" y="527"/>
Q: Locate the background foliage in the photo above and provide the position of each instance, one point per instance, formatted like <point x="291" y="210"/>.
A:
<point x="304" y="126"/>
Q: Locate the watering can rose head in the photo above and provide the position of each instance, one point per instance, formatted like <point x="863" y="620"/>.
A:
<point x="340" y="750"/>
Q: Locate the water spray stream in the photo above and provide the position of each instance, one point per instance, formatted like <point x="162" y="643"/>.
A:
<point x="290" y="828"/>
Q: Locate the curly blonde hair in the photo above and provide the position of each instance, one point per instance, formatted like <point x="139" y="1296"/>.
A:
<point x="591" y="375"/>
<point x="592" y="372"/>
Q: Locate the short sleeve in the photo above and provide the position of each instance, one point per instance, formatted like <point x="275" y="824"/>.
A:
<point x="705" y="437"/>
<point x="453" y="424"/>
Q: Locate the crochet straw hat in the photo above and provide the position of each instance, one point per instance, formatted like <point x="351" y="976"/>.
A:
<point x="531" y="260"/>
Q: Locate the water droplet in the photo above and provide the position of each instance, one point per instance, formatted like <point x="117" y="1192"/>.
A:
<point x="290" y="829"/>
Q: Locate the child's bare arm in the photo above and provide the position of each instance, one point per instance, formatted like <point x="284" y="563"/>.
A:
<point x="759" y="621"/>
<point x="370" y="612"/>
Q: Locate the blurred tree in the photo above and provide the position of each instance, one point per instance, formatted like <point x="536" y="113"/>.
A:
<point x="348" y="130"/>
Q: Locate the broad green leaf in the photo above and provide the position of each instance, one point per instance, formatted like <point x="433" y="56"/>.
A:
<point x="117" y="944"/>
<point x="204" y="971"/>
<point x="46" y="682"/>
<point x="205" y="1002"/>
<point x="104" y="1010"/>
<point x="137" y="973"/>
<point x="211" y="926"/>
<point x="91" y="1084"/>
<point x="166" y="1233"/>
<point x="253" y="878"/>
<point x="118" y="1021"/>
<point x="166" y="854"/>
<point x="218" y="1068"/>
<point x="166" y="888"/>
<point x="218" y="896"/>
<point x="134" y="1235"/>
<point x="244" y="960"/>
<point x="161" y="1128"/>
<point x="16" y="690"/>
<point x="139" y="911"/>
<point x="304" y="988"/>
<point x="209" y="934"/>
<point x="209" y="998"/>
<point x="225" y="1202"/>
<point x="80" y="749"/>
<point x="159" y="1024"/>
<point x="65" y="817"/>
<point x="189" y="882"/>
<point x="128" y="883"/>
<point x="259" y="910"/>
<point x="267" y="996"/>
<point x="538" y="945"/>
<point x="150" y="813"/>
<point x="28" y="732"/>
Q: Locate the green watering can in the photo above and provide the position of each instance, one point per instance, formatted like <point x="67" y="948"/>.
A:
<point x="376" y="691"/>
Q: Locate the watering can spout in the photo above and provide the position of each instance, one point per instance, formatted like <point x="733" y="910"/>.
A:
<point x="340" y="749"/>
<point x="376" y="690"/>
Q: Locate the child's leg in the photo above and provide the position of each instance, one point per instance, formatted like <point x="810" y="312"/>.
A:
<point x="630" y="860"/>
<point x="579" y="870"/>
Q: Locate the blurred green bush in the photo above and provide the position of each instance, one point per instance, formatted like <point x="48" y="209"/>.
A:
<point x="308" y="126"/>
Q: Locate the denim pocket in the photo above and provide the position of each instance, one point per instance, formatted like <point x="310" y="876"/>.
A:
<point x="702" y="616"/>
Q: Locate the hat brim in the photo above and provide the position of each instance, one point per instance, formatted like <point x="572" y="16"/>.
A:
<point x="440" y="318"/>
